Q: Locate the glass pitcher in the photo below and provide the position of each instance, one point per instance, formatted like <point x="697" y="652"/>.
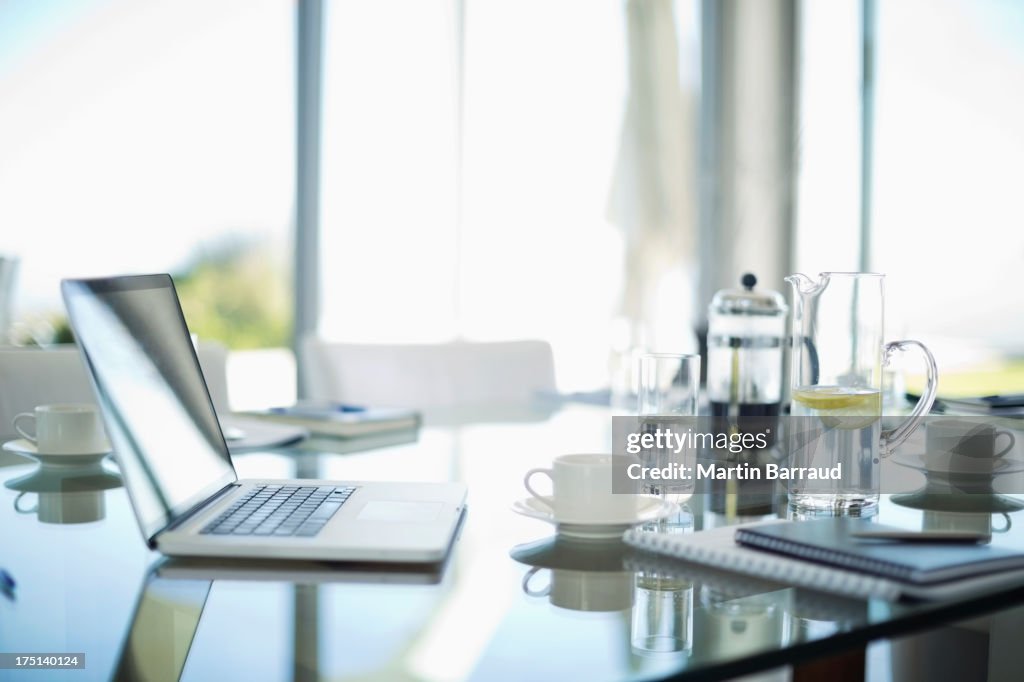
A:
<point x="838" y="350"/>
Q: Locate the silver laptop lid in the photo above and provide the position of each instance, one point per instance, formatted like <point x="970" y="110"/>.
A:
<point x="151" y="391"/>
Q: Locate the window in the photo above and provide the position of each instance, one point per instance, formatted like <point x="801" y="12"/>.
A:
<point x="949" y="155"/>
<point x="152" y="136"/>
<point x="828" y="138"/>
<point x="514" y="237"/>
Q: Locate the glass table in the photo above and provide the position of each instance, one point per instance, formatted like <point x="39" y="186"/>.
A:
<point x="512" y="602"/>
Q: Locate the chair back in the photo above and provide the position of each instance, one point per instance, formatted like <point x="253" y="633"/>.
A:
<point x="40" y="376"/>
<point x="427" y="375"/>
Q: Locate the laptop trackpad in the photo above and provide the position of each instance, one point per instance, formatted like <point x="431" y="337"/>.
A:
<point x="423" y="512"/>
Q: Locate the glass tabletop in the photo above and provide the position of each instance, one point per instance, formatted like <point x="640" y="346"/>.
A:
<point x="513" y="601"/>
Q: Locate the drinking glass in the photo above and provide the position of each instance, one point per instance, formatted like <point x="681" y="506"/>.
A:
<point x="669" y="383"/>
<point x="667" y="394"/>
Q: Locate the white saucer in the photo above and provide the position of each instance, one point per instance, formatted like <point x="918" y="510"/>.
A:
<point x="650" y="509"/>
<point x="27" y="448"/>
<point x="920" y="462"/>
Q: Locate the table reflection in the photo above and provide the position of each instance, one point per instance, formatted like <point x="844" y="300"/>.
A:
<point x="64" y="494"/>
<point x="162" y="629"/>
<point x="663" y="614"/>
<point x="175" y="594"/>
<point x="731" y="625"/>
<point x="577" y="574"/>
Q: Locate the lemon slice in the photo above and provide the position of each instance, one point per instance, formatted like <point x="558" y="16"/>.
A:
<point x="842" y="407"/>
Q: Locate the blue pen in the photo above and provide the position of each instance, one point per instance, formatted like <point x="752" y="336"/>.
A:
<point x="7" y="583"/>
<point x="315" y="411"/>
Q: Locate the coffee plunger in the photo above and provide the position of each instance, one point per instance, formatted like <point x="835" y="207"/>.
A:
<point x="746" y="337"/>
<point x="746" y="341"/>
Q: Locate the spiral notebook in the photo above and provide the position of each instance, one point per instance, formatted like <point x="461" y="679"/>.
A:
<point x="838" y="564"/>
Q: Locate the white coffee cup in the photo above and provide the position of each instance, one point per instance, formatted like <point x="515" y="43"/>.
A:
<point x="964" y="445"/>
<point x="65" y="429"/>
<point x="582" y="491"/>
<point x="584" y="590"/>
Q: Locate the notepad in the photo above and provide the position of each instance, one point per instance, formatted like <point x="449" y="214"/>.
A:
<point x="830" y="541"/>
<point x="718" y="549"/>
<point x="341" y="421"/>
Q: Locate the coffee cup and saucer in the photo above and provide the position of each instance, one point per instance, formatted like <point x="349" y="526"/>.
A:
<point x="962" y="461"/>
<point x="964" y="449"/>
<point x="582" y="503"/>
<point x="65" y="435"/>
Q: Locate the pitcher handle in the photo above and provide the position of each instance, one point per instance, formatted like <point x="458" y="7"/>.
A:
<point x="892" y="438"/>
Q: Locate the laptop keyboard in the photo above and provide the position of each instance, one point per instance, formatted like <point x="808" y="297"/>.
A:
<point x="280" y="510"/>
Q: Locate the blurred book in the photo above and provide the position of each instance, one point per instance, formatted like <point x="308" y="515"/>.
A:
<point x="243" y="434"/>
<point x="1008" y="404"/>
<point x="341" y="421"/>
<point x="994" y="404"/>
<point x="371" y="441"/>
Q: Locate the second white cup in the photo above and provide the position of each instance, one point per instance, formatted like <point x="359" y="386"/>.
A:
<point x="965" y="445"/>
<point x="65" y="429"/>
<point x="582" y="491"/>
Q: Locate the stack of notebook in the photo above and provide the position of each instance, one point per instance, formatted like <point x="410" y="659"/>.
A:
<point x="823" y="555"/>
<point x="341" y="421"/>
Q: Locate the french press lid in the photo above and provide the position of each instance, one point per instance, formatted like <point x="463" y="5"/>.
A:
<point x="747" y="301"/>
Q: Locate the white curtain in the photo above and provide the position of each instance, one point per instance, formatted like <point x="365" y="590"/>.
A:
<point x="653" y="195"/>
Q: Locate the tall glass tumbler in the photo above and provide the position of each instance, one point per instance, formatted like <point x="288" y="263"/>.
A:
<point x="669" y="384"/>
<point x="667" y="394"/>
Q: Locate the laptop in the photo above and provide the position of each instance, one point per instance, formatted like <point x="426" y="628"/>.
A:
<point x="175" y="463"/>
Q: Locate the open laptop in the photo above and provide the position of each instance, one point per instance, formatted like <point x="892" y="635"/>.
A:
<point x="175" y="463"/>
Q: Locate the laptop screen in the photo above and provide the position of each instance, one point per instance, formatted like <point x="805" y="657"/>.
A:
<point x="155" y="404"/>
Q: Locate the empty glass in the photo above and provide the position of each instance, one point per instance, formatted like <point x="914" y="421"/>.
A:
<point x="668" y="387"/>
<point x="669" y="384"/>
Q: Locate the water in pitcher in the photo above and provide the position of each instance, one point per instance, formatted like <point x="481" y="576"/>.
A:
<point x="840" y="426"/>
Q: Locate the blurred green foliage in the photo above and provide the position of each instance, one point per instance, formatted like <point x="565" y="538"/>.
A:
<point x="233" y="290"/>
<point x="236" y="292"/>
<point x="989" y="378"/>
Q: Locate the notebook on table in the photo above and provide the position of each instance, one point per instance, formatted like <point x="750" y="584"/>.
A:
<point x="341" y="421"/>
<point x="821" y="555"/>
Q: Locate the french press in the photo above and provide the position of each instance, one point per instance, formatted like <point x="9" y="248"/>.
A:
<point x="746" y="337"/>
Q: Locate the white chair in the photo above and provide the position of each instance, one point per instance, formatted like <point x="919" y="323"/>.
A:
<point x="30" y="377"/>
<point x="428" y="375"/>
<point x="213" y="361"/>
<point x="33" y="376"/>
